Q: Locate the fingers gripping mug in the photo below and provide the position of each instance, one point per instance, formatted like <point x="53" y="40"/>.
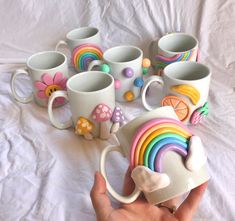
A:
<point x="172" y="48"/>
<point x="48" y="72"/>
<point x="92" y="102"/>
<point x="185" y="87"/>
<point x="126" y="65"/>
<point x="166" y="158"/>
<point x="85" y="46"/>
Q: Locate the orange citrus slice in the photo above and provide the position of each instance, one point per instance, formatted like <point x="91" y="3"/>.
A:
<point x="180" y="106"/>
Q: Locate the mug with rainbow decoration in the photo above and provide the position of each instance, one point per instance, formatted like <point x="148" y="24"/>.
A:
<point x="166" y="158"/>
<point x="85" y="46"/>
<point x="185" y="87"/>
<point x="48" y="72"/>
<point x="126" y="64"/>
<point x="173" y="47"/>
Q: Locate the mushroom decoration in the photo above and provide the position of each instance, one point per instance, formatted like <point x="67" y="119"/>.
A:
<point x="101" y="114"/>
<point x="84" y="127"/>
<point x="117" y="119"/>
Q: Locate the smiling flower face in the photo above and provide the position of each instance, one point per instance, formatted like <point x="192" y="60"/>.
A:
<point x="50" y="84"/>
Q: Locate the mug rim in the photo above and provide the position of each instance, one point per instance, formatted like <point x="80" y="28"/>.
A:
<point x="89" y="73"/>
<point x="43" y="53"/>
<point x="177" y="33"/>
<point x="122" y="46"/>
<point x="82" y="29"/>
<point x="208" y="74"/>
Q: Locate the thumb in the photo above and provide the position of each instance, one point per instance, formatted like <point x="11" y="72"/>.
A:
<point x="100" y="200"/>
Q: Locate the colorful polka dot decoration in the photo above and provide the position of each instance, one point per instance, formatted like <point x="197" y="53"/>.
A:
<point x="199" y="114"/>
<point x="105" y="68"/>
<point x="139" y="82"/>
<point x="155" y="138"/>
<point x="84" y="54"/>
<point x="146" y="63"/>
<point x="162" y="62"/>
<point x="129" y="96"/>
<point x="128" y="72"/>
<point x="117" y="84"/>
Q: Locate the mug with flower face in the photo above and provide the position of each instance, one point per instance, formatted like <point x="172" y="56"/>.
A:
<point x="48" y="72"/>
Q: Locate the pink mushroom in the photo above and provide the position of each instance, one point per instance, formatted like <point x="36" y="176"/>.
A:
<point x="101" y="114"/>
<point x="117" y="119"/>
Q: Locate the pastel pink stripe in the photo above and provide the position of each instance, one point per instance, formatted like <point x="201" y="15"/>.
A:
<point x="160" y="57"/>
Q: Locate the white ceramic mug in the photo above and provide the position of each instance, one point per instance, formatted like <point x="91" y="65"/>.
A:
<point x="125" y="64"/>
<point x="185" y="87"/>
<point x="48" y="72"/>
<point x="166" y="159"/>
<point x="173" y="47"/>
<point x="91" y="97"/>
<point x="85" y="46"/>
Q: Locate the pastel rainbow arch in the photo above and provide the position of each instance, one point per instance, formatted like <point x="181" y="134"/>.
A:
<point x="162" y="61"/>
<point x="84" y="54"/>
<point x="155" y="138"/>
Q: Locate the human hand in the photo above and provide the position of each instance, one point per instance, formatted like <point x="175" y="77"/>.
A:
<point x="141" y="210"/>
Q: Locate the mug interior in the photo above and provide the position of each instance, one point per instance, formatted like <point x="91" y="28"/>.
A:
<point x="122" y="54"/>
<point x="186" y="70"/>
<point x="46" y="60"/>
<point x="177" y="42"/>
<point x="90" y="81"/>
<point x="82" y="33"/>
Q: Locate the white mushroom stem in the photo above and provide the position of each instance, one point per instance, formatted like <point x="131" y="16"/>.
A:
<point x="88" y="136"/>
<point x="104" y="131"/>
<point x="115" y="127"/>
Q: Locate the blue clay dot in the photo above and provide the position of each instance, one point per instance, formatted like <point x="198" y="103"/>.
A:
<point x="128" y="72"/>
<point x="139" y="82"/>
<point x="105" y="68"/>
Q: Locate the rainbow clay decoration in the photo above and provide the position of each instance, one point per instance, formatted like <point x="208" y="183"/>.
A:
<point x="154" y="136"/>
<point x="162" y="61"/>
<point x="84" y="54"/>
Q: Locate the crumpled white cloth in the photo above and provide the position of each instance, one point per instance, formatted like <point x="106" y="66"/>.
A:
<point x="46" y="174"/>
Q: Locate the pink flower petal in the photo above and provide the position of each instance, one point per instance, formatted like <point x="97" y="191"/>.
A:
<point x="63" y="83"/>
<point x="59" y="100"/>
<point x="47" y="79"/>
<point x="41" y="94"/>
<point x="57" y="78"/>
<point x="39" y="85"/>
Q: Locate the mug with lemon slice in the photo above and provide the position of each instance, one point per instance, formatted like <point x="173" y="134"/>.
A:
<point x="185" y="87"/>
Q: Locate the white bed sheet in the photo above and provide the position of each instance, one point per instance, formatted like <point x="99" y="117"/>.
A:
<point x="46" y="173"/>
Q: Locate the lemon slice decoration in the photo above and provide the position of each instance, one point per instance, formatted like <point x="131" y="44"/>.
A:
<point x="191" y="92"/>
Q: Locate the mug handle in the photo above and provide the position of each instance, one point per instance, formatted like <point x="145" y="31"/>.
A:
<point x="123" y="199"/>
<point x="53" y="120"/>
<point x="147" y="84"/>
<point x="152" y="51"/>
<point x="61" y="43"/>
<point x="95" y="63"/>
<point x="24" y="100"/>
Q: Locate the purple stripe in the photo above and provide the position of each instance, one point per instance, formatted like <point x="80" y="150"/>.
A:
<point x="162" y="152"/>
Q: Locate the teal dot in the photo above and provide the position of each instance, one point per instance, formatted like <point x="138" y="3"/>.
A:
<point x="105" y="68"/>
<point x="145" y="71"/>
<point x="139" y="82"/>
